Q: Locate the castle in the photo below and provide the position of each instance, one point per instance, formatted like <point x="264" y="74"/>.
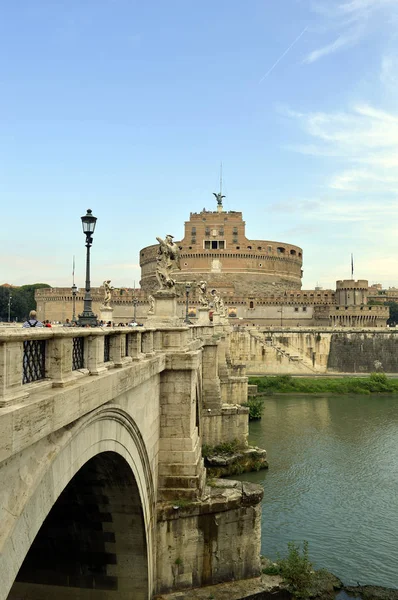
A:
<point x="259" y="280"/>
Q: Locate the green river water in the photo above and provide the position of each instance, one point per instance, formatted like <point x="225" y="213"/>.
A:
<point x="333" y="480"/>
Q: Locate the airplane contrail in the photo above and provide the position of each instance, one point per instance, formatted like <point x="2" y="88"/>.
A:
<point x="282" y="55"/>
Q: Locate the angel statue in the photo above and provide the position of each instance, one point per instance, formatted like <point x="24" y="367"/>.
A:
<point x="167" y="259"/>
<point x="203" y="299"/>
<point x="108" y="292"/>
<point x="151" y="301"/>
<point x="218" y="303"/>
<point x="219" y="198"/>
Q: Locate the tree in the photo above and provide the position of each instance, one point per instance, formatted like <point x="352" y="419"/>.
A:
<point x="23" y="301"/>
<point x="393" y="319"/>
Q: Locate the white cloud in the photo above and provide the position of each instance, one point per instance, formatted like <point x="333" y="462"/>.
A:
<point x="364" y="137"/>
<point x="340" y="42"/>
<point x="349" y="22"/>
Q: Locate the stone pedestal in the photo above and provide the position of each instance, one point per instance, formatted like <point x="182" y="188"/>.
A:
<point x="165" y="310"/>
<point x="106" y="314"/>
<point x="203" y="316"/>
<point x="216" y="318"/>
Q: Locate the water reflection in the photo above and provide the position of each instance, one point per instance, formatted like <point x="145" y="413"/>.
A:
<point x="333" y="480"/>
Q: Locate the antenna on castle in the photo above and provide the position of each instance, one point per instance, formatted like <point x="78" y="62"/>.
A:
<point x="219" y="196"/>
<point x="352" y="266"/>
<point x="73" y="271"/>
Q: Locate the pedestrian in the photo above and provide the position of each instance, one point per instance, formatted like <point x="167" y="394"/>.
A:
<point x="67" y="323"/>
<point x="32" y="321"/>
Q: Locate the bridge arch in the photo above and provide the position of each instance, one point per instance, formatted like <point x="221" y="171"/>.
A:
<point x="91" y="510"/>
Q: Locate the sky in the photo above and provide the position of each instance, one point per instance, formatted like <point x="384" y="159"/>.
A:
<point x="127" y="107"/>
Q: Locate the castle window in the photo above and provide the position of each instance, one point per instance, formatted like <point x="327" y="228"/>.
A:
<point x="193" y="231"/>
<point x="238" y="247"/>
<point x="249" y="247"/>
<point x="193" y="240"/>
<point x="296" y="309"/>
<point x="304" y="309"/>
<point x="214" y="244"/>
<point x="260" y="265"/>
<point x="258" y="247"/>
<point x="207" y="231"/>
<point x="280" y="250"/>
<point x="235" y="231"/>
<point x="251" y="305"/>
<point x="234" y="240"/>
<point x="300" y="254"/>
<point x="221" y="232"/>
<point x="292" y="252"/>
<point x="269" y="248"/>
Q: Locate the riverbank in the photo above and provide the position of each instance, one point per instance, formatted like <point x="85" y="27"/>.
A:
<point x="272" y="587"/>
<point x="376" y="383"/>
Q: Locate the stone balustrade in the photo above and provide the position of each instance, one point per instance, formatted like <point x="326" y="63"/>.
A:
<point x="34" y="359"/>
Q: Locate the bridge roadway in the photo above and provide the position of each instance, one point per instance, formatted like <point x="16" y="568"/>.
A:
<point x="102" y="485"/>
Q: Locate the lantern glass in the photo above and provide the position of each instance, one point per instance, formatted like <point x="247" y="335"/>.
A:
<point x="88" y="222"/>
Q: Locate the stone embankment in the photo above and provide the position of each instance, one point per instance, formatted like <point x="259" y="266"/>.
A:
<point x="244" y="461"/>
<point x="272" y="587"/>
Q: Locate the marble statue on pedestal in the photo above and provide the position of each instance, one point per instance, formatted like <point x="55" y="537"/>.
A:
<point x="151" y="301"/>
<point x="203" y="299"/>
<point x="108" y="293"/>
<point x="168" y="258"/>
<point x="219" y="305"/>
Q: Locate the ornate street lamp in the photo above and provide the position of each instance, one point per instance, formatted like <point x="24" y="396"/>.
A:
<point x="187" y="290"/>
<point x="88" y="317"/>
<point x="135" y="302"/>
<point x="74" y="292"/>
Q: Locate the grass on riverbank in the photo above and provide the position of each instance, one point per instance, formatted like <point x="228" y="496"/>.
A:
<point x="376" y="383"/>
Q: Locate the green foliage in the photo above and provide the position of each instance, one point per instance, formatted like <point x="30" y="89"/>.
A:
<point x="178" y="561"/>
<point x="285" y="384"/>
<point x="296" y="569"/>
<point x="225" y="448"/>
<point x="256" y="407"/>
<point x="22" y="301"/>
<point x="393" y="306"/>
<point x="272" y="570"/>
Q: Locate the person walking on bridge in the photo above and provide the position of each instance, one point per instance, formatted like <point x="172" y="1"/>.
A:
<point x="32" y="321"/>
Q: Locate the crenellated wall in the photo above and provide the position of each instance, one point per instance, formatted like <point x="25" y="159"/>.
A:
<point x="312" y="351"/>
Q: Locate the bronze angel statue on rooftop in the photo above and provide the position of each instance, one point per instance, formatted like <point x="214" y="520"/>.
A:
<point x="168" y="258"/>
<point x="219" y="198"/>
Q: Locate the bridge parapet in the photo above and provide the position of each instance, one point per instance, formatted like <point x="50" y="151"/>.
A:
<point x="32" y="360"/>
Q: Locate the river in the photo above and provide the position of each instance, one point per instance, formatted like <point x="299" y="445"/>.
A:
<point x="333" y="480"/>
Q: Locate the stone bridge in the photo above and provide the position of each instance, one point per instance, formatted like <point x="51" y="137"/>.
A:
<point x="103" y="491"/>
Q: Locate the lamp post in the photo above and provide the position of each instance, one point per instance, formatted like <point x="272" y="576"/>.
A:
<point x="9" y="306"/>
<point x="88" y="317"/>
<point x="135" y="302"/>
<point x="187" y="290"/>
<point x="74" y="292"/>
<point x="285" y="299"/>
